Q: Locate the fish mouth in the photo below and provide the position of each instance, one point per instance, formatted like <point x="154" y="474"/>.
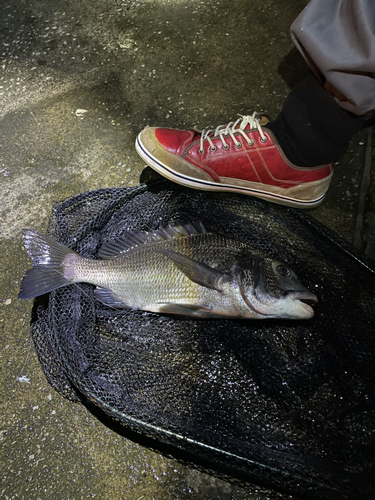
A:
<point x="306" y="299"/>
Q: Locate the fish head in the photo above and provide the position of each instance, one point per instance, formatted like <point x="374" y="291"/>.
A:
<point x="271" y="289"/>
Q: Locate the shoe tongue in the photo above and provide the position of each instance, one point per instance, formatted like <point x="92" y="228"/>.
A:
<point x="263" y="120"/>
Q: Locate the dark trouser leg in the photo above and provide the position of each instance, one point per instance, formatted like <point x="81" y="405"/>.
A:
<point x="312" y="128"/>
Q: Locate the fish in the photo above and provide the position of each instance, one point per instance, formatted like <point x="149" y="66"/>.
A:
<point x="181" y="269"/>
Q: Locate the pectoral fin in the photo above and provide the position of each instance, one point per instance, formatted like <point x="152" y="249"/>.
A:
<point x="200" y="273"/>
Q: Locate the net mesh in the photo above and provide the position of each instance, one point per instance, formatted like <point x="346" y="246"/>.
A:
<point x="287" y="404"/>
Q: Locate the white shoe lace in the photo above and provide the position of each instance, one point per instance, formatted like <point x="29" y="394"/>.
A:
<point x="223" y="131"/>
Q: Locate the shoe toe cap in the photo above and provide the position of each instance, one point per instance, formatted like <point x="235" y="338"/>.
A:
<point x="173" y="140"/>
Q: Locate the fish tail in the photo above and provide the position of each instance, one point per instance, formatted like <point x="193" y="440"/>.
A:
<point x="51" y="267"/>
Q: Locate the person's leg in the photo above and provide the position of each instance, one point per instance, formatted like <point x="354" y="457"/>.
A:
<point x="337" y="40"/>
<point x="289" y="160"/>
<point x="312" y="128"/>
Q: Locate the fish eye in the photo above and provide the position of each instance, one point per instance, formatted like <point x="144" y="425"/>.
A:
<point x="283" y="270"/>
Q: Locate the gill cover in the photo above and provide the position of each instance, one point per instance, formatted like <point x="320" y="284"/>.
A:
<point x="272" y="289"/>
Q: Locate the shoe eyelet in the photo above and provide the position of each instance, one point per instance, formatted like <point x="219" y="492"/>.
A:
<point x="226" y="147"/>
<point x="238" y="145"/>
<point x="250" y="143"/>
<point x="213" y="149"/>
<point x="263" y="140"/>
<point x="201" y="151"/>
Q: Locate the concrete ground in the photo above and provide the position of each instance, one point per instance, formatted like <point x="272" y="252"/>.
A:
<point x="78" y="81"/>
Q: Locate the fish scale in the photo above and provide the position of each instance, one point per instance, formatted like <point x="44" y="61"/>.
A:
<point x="136" y="277"/>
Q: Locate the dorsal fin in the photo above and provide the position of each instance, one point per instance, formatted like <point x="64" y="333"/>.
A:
<point x="133" y="239"/>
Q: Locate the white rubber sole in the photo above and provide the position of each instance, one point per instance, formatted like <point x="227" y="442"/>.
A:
<point x="203" y="185"/>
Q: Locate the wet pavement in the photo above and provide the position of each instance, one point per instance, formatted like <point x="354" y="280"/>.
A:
<point x="78" y="81"/>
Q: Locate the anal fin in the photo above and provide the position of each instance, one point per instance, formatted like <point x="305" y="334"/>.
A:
<point x="109" y="298"/>
<point x="185" y="309"/>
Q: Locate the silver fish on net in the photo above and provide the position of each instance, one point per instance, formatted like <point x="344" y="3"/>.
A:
<point x="180" y="269"/>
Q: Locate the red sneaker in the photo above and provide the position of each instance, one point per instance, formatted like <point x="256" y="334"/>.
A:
<point x="242" y="156"/>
